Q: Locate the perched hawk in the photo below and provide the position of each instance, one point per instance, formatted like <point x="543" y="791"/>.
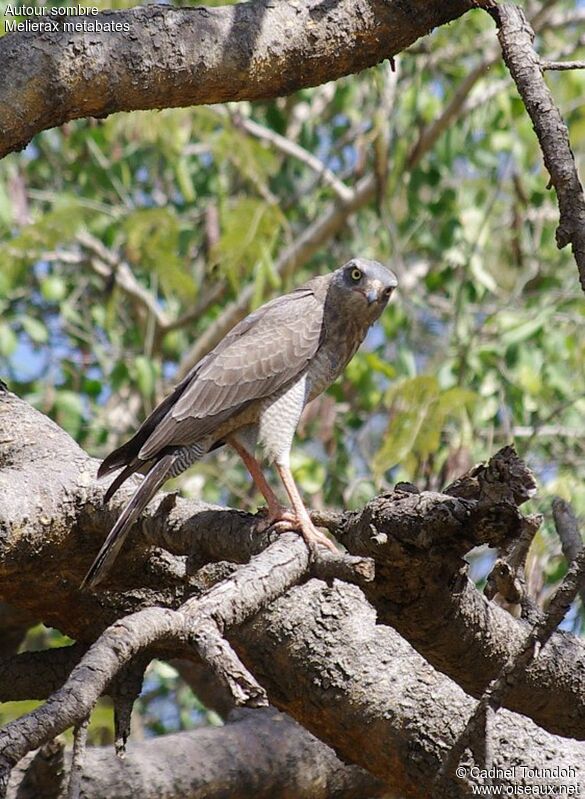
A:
<point x="250" y="390"/>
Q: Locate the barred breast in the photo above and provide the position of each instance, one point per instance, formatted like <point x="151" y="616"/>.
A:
<point x="278" y="420"/>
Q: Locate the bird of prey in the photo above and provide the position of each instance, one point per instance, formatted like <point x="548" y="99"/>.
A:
<point x="250" y="390"/>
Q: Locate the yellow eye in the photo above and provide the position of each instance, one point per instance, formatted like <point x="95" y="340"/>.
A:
<point x="356" y="275"/>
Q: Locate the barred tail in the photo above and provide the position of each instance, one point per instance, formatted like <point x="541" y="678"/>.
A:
<point x="113" y="543"/>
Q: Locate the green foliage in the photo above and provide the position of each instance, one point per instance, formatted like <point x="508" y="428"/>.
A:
<point x="249" y="231"/>
<point x="419" y="411"/>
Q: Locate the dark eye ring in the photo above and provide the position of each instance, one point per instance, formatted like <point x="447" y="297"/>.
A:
<point x="356" y="274"/>
<point x="388" y="291"/>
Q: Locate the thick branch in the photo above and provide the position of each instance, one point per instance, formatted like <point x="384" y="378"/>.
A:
<point x="422" y="590"/>
<point x="350" y="673"/>
<point x="14" y="624"/>
<point x="261" y="754"/>
<point x="34" y="675"/>
<point x="165" y="57"/>
<point x="417" y="540"/>
<point x="198" y="621"/>
<point x="515" y="667"/>
<point x="355" y="675"/>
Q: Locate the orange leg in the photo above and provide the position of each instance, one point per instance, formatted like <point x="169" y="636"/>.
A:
<point x="275" y="509"/>
<point x="310" y="533"/>
<point x="278" y="516"/>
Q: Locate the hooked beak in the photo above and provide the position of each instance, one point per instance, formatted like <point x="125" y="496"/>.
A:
<point x="376" y="293"/>
<point x="372" y="296"/>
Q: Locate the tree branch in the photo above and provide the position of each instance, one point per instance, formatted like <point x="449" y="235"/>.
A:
<point x="418" y="541"/>
<point x="199" y="622"/>
<point x="567" y="527"/>
<point x="516" y="37"/>
<point x="422" y="590"/>
<point x="269" y="756"/>
<point x="166" y="57"/>
<point x="362" y="677"/>
<point x="34" y="675"/>
<point x="495" y="693"/>
<point x="14" y="624"/>
<point x="418" y="544"/>
<point x="561" y="65"/>
<point x="291" y="148"/>
<point x="107" y="265"/>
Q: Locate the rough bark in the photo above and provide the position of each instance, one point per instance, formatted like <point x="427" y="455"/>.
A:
<point x="516" y="38"/>
<point x="362" y="688"/>
<point x="188" y="56"/>
<point x="52" y="521"/>
<point x="14" y="624"/>
<point x="423" y="591"/>
<point x="317" y="649"/>
<point x="263" y="750"/>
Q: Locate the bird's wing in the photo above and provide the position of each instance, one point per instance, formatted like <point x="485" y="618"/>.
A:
<point x="264" y="352"/>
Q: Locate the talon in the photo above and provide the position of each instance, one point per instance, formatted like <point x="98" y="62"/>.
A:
<point x="315" y="537"/>
<point x="284" y="520"/>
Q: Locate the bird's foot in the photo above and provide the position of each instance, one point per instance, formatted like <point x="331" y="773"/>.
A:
<point x="285" y="520"/>
<point x="271" y="518"/>
<point x="288" y="521"/>
<point x="315" y="538"/>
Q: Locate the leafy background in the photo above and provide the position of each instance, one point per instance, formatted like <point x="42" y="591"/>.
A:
<point x="483" y="345"/>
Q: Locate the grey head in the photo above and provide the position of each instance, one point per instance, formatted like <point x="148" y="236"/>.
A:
<point x="362" y="288"/>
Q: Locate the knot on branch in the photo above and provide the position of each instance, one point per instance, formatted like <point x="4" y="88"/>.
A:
<point x="505" y="478"/>
<point x="480" y="507"/>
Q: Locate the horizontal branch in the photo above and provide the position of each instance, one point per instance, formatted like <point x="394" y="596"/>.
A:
<point x="161" y="57"/>
<point x="417" y="541"/>
<point x="561" y="65"/>
<point x="260" y="754"/>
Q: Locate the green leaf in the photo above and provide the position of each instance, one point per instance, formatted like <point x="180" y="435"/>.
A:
<point x="185" y="180"/>
<point x="152" y="241"/>
<point x="8" y="340"/>
<point x="53" y="288"/>
<point x="69" y="412"/>
<point x="35" y="329"/>
<point x="418" y="411"/>
<point x="249" y="230"/>
<point x="522" y="331"/>
<point x="145" y="374"/>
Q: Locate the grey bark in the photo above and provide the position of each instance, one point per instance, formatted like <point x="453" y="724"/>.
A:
<point x="516" y="39"/>
<point x="398" y="715"/>
<point x="171" y="57"/>
<point x="256" y="755"/>
<point x="51" y="516"/>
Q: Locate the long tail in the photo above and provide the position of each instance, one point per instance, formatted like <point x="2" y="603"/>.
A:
<point x="113" y="543"/>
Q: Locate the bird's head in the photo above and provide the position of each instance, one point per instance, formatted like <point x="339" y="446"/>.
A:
<point x="366" y="287"/>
